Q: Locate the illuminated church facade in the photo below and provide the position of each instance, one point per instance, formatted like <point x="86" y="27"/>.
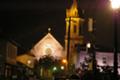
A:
<point x="48" y="45"/>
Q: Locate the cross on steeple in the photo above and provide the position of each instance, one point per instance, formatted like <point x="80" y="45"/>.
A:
<point x="49" y="29"/>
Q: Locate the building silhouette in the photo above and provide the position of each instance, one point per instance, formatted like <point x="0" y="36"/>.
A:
<point x="8" y="54"/>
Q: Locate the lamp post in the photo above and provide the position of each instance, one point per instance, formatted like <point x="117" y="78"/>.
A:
<point x="115" y="5"/>
<point x="65" y="63"/>
<point x="91" y="45"/>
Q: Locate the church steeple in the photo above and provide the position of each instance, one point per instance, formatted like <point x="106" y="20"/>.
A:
<point x="73" y="27"/>
<point x="73" y="20"/>
<point x="74" y="3"/>
<point x="73" y="11"/>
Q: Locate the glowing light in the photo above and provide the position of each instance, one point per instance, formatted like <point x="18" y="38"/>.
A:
<point x="115" y="4"/>
<point x="88" y="45"/>
<point x="54" y="68"/>
<point x="62" y="67"/>
<point x="49" y="29"/>
<point x="29" y="61"/>
<point x="64" y="61"/>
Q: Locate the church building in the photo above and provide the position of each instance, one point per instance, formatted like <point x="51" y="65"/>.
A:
<point x="73" y="36"/>
<point x="48" y="45"/>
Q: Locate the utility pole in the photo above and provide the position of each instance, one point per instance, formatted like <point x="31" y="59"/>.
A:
<point x="68" y="45"/>
<point x="115" y="46"/>
<point x="92" y="36"/>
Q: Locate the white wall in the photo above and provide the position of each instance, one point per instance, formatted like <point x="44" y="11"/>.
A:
<point x="99" y="57"/>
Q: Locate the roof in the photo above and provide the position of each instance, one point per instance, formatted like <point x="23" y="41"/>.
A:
<point x="26" y="59"/>
<point x="48" y="45"/>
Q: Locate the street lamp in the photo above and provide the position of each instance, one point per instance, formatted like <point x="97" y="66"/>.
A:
<point x="88" y="48"/>
<point x="88" y="45"/>
<point x="115" y="5"/>
<point x="65" y="63"/>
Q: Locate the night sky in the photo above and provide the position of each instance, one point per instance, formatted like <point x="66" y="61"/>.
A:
<point x="27" y="21"/>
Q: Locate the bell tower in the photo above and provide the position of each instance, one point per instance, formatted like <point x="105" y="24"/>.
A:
<point x="73" y="31"/>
